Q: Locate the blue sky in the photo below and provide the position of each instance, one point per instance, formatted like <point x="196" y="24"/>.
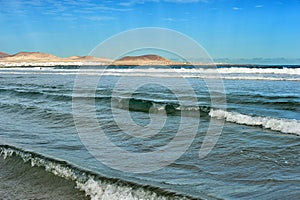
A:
<point x="232" y="29"/>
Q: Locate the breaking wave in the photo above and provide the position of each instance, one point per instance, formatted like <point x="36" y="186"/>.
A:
<point x="94" y="185"/>
<point x="231" y="73"/>
<point x="148" y="105"/>
<point x="291" y="126"/>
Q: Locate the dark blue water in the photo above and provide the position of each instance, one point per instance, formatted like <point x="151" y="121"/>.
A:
<point x="46" y="123"/>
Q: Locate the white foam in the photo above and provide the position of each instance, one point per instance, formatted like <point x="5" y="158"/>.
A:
<point x="234" y="73"/>
<point x="100" y="191"/>
<point x="6" y="153"/>
<point x="283" y="125"/>
<point x="245" y="70"/>
<point x="228" y="70"/>
<point x="93" y="187"/>
<point x="157" y="108"/>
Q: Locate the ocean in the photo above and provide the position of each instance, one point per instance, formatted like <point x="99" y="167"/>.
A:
<point x="237" y="131"/>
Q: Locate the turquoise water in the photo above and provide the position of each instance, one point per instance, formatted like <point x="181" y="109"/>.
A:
<point x="255" y="157"/>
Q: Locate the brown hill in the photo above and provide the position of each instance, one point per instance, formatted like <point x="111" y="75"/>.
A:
<point x="33" y="56"/>
<point x="36" y="58"/>
<point x="3" y="55"/>
<point x="88" y="59"/>
<point x="81" y="57"/>
<point x="149" y="57"/>
<point x="143" y="60"/>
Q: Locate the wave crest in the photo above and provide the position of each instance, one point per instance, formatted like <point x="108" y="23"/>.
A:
<point x="283" y="125"/>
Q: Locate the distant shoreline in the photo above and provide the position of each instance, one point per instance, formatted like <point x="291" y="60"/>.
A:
<point x="101" y="65"/>
<point x="38" y="59"/>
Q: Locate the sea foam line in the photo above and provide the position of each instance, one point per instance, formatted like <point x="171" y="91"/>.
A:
<point x="94" y="186"/>
<point x="161" y="75"/>
<point x="291" y="126"/>
<point x="201" y="70"/>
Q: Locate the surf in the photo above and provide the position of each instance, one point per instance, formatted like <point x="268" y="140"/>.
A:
<point x="291" y="126"/>
<point x="95" y="186"/>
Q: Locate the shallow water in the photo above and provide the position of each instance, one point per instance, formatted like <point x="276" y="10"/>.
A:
<point x="20" y="180"/>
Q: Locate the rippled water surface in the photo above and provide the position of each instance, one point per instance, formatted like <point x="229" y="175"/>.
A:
<point x="255" y="157"/>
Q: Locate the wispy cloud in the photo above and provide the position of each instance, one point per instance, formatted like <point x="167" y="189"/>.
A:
<point x="236" y="8"/>
<point x="169" y="19"/>
<point x="259" y="6"/>
<point x="70" y="9"/>
<point x="186" y="1"/>
<point x="106" y="8"/>
<point x="66" y="18"/>
<point x="99" y="18"/>
<point x="133" y="2"/>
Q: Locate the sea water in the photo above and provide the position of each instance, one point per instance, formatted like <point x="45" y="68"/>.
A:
<point x="256" y="155"/>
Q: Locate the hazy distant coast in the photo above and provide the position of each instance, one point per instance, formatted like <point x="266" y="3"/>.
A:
<point x="44" y="59"/>
<point x="39" y="59"/>
<point x="36" y="59"/>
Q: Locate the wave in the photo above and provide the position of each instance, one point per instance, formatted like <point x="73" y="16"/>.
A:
<point x="291" y="126"/>
<point x="152" y="106"/>
<point x="246" y="70"/>
<point x="66" y="95"/>
<point x="157" y="106"/>
<point x="34" y="94"/>
<point x="231" y="73"/>
<point x="94" y="185"/>
<point x="166" y="69"/>
<point x="34" y="109"/>
<point x="225" y="70"/>
<point x="264" y="95"/>
<point x="165" y="107"/>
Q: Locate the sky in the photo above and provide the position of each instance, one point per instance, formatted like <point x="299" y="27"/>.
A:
<point x="232" y="30"/>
